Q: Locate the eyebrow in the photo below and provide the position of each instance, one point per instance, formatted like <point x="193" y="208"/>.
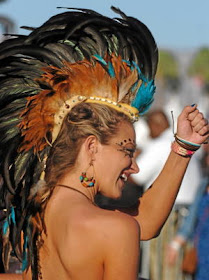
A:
<point x="122" y="144"/>
<point x="129" y="141"/>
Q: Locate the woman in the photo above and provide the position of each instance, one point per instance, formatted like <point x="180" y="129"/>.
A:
<point x="88" y="238"/>
<point x="73" y="137"/>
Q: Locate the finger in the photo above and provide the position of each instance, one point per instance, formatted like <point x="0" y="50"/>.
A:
<point x="191" y="116"/>
<point x="204" y="131"/>
<point x="187" y="110"/>
<point x="199" y="126"/>
<point x="199" y="119"/>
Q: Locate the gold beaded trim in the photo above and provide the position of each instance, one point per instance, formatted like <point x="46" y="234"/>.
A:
<point x="130" y="111"/>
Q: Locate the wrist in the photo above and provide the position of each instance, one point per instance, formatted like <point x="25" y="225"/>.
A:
<point x="176" y="148"/>
<point x="186" y="144"/>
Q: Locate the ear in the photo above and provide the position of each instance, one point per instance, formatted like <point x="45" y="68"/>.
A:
<point x="91" y="145"/>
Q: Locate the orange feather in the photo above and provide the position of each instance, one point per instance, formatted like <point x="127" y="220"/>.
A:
<point x="80" y="78"/>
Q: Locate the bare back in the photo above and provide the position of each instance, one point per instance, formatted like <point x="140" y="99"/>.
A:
<point x="86" y="242"/>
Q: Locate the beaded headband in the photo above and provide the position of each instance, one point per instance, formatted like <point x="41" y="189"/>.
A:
<point x="128" y="110"/>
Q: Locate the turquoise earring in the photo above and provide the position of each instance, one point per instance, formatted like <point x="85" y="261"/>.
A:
<point x="85" y="181"/>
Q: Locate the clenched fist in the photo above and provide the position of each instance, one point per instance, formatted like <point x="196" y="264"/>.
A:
<point x="192" y="126"/>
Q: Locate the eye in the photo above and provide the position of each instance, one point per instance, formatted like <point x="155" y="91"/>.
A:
<point x="129" y="152"/>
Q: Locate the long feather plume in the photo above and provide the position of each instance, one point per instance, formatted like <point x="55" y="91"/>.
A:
<point x="38" y="72"/>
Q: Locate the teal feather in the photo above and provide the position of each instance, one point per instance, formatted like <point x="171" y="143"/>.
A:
<point x="127" y="62"/>
<point x="5" y="226"/>
<point x="7" y="222"/>
<point x="25" y="254"/>
<point x="111" y="70"/>
<point x="136" y="66"/>
<point x="13" y="215"/>
<point x="144" y="97"/>
<point x="100" y="59"/>
<point x="145" y="94"/>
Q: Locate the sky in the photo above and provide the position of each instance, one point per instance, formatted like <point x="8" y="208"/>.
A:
<point x="176" y="24"/>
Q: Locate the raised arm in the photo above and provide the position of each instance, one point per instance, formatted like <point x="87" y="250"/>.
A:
<point x="157" y="202"/>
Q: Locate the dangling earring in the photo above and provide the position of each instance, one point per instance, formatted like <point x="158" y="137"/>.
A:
<point x="85" y="181"/>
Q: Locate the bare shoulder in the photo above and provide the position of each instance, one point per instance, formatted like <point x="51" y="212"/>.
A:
<point x="118" y="231"/>
<point x="104" y="234"/>
<point x="81" y="214"/>
<point x="121" y="238"/>
<point x="114" y="223"/>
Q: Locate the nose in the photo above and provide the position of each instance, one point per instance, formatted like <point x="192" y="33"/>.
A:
<point x="134" y="167"/>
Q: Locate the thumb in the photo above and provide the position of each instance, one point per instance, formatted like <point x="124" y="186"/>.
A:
<point x="188" y="110"/>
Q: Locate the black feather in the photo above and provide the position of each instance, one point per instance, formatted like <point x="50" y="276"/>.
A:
<point x="69" y="36"/>
<point x="6" y="174"/>
<point x="34" y="51"/>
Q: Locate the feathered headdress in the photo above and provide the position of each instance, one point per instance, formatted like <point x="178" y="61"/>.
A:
<point x="76" y="56"/>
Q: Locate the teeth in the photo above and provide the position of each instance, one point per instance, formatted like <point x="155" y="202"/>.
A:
<point x="124" y="177"/>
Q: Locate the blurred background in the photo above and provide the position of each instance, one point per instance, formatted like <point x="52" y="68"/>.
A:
<point x="181" y="30"/>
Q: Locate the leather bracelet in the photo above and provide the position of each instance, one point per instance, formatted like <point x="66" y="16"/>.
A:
<point x="176" y="148"/>
<point x="186" y="144"/>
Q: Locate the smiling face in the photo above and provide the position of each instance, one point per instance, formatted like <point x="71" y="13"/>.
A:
<point x="115" y="162"/>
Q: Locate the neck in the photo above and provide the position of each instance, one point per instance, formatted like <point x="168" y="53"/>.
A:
<point x="81" y="192"/>
<point x="89" y="192"/>
<point x="72" y="179"/>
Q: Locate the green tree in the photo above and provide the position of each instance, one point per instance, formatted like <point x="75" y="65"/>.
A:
<point x="167" y="73"/>
<point x="199" y="67"/>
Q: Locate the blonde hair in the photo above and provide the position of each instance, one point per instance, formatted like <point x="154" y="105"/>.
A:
<point x="83" y="120"/>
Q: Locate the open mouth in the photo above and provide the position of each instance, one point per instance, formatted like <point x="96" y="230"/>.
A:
<point x="123" y="177"/>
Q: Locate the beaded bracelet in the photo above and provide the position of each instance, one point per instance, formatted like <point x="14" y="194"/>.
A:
<point x="176" y="148"/>
<point x="186" y="144"/>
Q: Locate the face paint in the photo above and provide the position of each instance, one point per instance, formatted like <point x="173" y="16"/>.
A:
<point x="128" y="147"/>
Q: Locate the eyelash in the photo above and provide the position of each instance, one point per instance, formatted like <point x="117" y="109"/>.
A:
<point x="128" y="152"/>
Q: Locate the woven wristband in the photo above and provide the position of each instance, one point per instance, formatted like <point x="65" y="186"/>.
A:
<point x="186" y="144"/>
<point x="176" y="148"/>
